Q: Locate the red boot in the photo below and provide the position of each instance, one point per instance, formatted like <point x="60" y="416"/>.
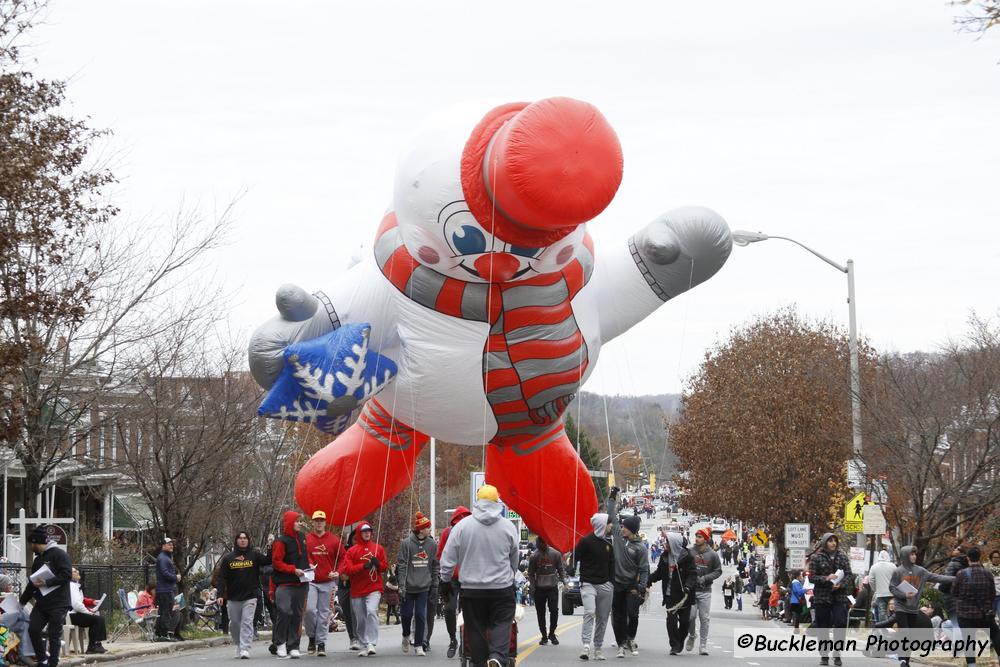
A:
<point x="364" y="467"/>
<point x="549" y="487"/>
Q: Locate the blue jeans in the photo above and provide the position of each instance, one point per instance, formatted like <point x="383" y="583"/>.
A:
<point x="418" y="600"/>
<point x="17" y="622"/>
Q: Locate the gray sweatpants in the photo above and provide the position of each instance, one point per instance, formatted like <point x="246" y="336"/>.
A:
<point x="241" y="615"/>
<point x="699" y="611"/>
<point x="318" y="610"/>
<point x="289" y="601"/>
<point x="596" y="610"/>
<point x="365" y="611"/>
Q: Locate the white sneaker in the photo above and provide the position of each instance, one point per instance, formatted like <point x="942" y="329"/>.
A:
<point x="282" y="652"/>
<point x="355" y="646"/>
<point x="420" y="651"/>
<point x="585" y="653"/>
<point x="294" y="654"/>
<point x="689" y="645"/>
<point x="371" y="649"/>
<point x="598" y="655"/>
<point x="406" y="644"/>
<point x="621" y="652"/>
<point x="244" y="655"/>
<point x="634" y="649"/>
<point x="363" y="652"/>
<point x="703" y="650"/>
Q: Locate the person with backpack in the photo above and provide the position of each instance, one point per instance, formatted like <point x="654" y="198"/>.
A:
<point x="289" y="560"/>
<point x="678" y="574"/>
<point x="545" y="572"/>
<point x="973" y="592"/>
<point x="796" y="598"/>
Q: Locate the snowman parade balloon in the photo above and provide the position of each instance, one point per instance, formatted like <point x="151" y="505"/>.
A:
<point x="477" y="315"/>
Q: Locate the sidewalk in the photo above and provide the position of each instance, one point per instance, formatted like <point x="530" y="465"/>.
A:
<point x="138" y="649"/>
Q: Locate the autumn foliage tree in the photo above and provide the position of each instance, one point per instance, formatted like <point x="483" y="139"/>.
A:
<point x="765" y="431"/>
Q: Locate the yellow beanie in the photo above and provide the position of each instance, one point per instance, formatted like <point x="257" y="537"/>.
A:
<point x="488" y="492"/>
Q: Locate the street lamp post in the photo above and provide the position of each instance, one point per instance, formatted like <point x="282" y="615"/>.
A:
<point x="745" y="238"/>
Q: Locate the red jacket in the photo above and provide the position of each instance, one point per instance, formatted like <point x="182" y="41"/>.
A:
<point x="278" y="548"/>
<point x="363" y="580"/>
<point x="327" y="554"/>
<point x="460" y="513"/>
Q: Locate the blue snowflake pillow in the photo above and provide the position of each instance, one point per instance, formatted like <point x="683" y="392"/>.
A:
<point x="327" y="379"/>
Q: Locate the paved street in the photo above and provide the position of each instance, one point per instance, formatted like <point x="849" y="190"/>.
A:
<point x="651" y="639"/>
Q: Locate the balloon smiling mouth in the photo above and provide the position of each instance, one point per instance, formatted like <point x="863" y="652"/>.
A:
<point x="496" y="267"/>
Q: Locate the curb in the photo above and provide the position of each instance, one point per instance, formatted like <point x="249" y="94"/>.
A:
<point x="154" y="649"/>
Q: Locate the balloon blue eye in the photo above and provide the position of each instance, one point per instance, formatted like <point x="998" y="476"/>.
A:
<point x="468" y="240"/>
<point x="524" y="252"/>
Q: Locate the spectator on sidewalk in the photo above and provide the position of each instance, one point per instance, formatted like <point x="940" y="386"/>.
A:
<point x="239" y="588"/>
<point x="49" y="610"/>
<point x="84" y="615"/>
<point x="146" y="600"/>
<point x="485" y="551"/>
<point x="365" y="565"/>
<point x="973" y="591"/>
<point x="16" y="621"/>
<point x="417" y="575"/>
<point x="545" y="572"/>
<point x="328" y="555"/>
<point x="289" y="560"/>
<point x="168" y="619"/>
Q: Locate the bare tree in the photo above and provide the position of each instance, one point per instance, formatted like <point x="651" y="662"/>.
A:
<point x="78" y="290"/>
<point x="933" y="432"/>
<point x="980" y="15"/>
<point x="189" y="430"/>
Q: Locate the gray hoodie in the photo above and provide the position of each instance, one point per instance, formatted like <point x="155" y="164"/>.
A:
<point x="417" y="569"/>
<point x="631" y="556"/>
<point x="708" y="564"/>
<point x="484" y="548"/>
<point x="914" y="575"/>
<point x="880" y="575"/>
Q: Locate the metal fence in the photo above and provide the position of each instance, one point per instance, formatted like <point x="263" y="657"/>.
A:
<point x="97" y="580"/>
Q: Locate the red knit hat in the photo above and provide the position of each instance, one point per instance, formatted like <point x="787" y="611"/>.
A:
<point x="532" y="173"/>
<point x="420" y="522"/>
<point x="704" y="532"/>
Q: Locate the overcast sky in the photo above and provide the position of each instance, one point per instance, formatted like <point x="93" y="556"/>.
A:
<point x="867" y="130"/>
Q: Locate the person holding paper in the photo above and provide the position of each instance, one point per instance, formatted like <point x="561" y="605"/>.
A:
<point x="326" y="551"/>
<point x="832" y="578"/>
<point x="906" y="586"/>
<point x="84" y="615"/>
<point x="49" y="586"/>
<point x="290" y="560"/>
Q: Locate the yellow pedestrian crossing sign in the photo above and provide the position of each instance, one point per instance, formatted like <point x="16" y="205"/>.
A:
<point x="854" y="514"/>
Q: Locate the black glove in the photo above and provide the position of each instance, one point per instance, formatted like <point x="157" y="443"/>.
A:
<point x="445" y="588"/>
<point x="372" y="564"/>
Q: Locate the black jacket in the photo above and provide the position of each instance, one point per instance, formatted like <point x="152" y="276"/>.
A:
<point x="824" y="563"/>
<point x="955" y="565"/>
<point x="675" y="585"/>
<point x="596" y="559"/>
<point x="62" y="569"/>
<point x="239" y="574"/>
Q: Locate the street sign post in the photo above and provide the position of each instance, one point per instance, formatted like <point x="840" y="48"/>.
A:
<point x="854" y="513"/>
<point x="874" y="520"/>
<point x="797" y="535"/>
